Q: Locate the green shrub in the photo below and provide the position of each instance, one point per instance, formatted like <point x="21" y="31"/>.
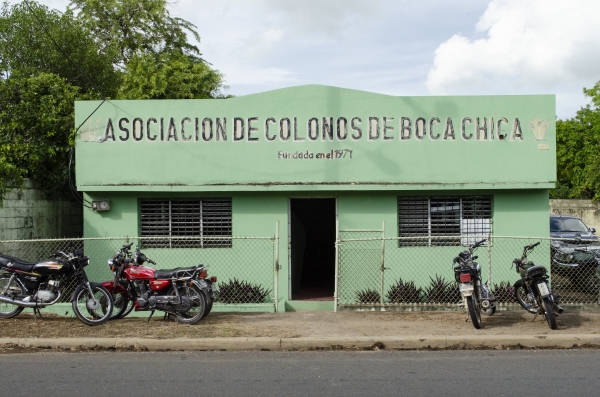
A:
<point x="368" y="296"/>
<point x="404" y="292"/>
<point x="235" y="291"/>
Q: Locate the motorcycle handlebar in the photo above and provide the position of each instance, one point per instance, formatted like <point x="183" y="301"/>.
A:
<point x="477" y="244"/>
<point x="532" y="246"/>
<point x="127" y="247"/>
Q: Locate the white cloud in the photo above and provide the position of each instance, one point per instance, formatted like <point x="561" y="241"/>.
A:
<point x="260" y="44"/>
<point x="529" y="45"/>
<point x="236" y="74"/>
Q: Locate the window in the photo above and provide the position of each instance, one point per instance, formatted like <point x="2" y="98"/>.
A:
<point x="202" y="218"/>
<point x="462" y="219"/>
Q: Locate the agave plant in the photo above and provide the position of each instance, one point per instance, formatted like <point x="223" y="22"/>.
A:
<point x="504" y="292"/>
<point x="404" y="292"/>
<point x="368" y="296"/>
<point x="442" y="291"/>
<point x="235" y="291"/>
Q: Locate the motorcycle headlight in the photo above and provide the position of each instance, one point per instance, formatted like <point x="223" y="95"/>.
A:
<point x="111" y="265"/>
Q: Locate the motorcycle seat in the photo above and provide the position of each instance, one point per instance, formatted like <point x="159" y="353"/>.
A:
<point x="536" y="271"/>
<point x="8" y="262"/>
<point x="177" y="272"/>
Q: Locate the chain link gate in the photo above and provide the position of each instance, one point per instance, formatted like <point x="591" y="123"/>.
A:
<point x="416" y="273"/>
<point x="244" y="266"/>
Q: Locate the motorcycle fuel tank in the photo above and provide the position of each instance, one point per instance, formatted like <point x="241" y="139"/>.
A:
<point x="50" y="267"/>
<point x="139" y="273"/>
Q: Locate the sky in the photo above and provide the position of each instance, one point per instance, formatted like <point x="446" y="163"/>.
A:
<point x="401" y="47"/>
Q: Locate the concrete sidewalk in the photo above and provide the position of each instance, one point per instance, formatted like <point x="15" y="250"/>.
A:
<point x="311" y="343"/>
<point x="307" y="331"/>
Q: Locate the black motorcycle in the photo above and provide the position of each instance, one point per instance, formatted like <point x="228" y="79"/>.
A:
<point x="476" y="295"/>
<point x="37" y="285"/>
<point x="532" y="291"/>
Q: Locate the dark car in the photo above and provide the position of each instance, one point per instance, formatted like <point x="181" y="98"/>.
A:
<point x="576" y="256"/>
<point x="572" y="228"/>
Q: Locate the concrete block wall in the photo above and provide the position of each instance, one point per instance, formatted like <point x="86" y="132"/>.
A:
<point x="584" y="209"/>
<point x="33" y="213"/>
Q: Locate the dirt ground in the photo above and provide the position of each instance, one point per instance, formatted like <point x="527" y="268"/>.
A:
<point x="305" y="324"/>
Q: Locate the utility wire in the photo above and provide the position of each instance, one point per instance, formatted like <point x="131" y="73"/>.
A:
<point x="62" y="51"/>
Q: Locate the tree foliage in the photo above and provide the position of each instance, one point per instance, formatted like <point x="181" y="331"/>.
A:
<point x="36" y="127"/>
<point x="174" y="76"/>
<point x="26" y="49"/>
<point x="577" y="153"/>
<point x="151" y="48"/>
<point x="131" y="49"/>
<point x="127" y="28"/>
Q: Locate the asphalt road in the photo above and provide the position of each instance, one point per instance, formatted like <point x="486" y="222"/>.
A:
<point x="334" y="373"/>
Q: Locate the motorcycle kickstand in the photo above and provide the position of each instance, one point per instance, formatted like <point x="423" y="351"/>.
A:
<point x="534" y="317"/>
<point x="35" y="309"/>
<point x="150" y="316"/>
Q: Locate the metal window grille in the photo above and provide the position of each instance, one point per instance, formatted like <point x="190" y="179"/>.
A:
<point x="201" y="218"/>
<point x="444" y="216"/>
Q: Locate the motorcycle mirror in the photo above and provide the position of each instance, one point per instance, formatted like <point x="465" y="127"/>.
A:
<point x="78" y="252"/>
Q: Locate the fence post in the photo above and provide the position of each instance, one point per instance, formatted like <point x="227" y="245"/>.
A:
<point x="489" y="249"/>
<point x="337" y="265"/>
<point x="382" y="261"/>
<point x="276" y="287"/>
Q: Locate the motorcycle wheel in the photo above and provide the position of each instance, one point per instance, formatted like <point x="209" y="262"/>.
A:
<point x="593" y="284"/>
<point x="196" y="296"/>
<point x="209" y="304"/>
<point x="474" y="312"/>
<point x="122" y="305"/>
<point x="97" y="310"/>
<point x="522" y="298"/>
<point x="6" y="309"/>
<point x="208" y="307"/>
<point x="550" y="317"/>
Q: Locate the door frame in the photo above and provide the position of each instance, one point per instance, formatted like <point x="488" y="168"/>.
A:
<point x="289" y="224"/>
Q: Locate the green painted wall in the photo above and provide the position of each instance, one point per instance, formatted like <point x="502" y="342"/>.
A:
<point x="396" y="143"/>
<point x="515" y="213"/>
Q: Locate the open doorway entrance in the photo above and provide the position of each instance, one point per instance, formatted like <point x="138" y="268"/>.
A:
<point x="312" y="248"/>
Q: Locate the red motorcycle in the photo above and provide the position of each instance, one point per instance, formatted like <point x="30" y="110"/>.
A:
<point x="185" y="292"/>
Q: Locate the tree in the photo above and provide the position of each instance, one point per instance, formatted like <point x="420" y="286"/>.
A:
<point x="173" y="76"/>
<point x="151" y="48"/>
<point x="126" y="28"/>
<point x="48" y="59"/>
<point x="36" y="129"/>
<point x="28" y="46"/>
<point x="577" y="152"/>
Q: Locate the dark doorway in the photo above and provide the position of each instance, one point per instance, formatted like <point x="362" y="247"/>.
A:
<point x="312" y="248"/>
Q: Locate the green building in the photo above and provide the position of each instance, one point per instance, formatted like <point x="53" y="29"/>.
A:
<point x="310" y="158"/>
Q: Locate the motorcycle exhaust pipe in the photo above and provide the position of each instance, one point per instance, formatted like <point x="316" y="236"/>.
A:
<point x="557" y="309"/>
<point x="4" y="299"/>
<point x="16" y="302"/>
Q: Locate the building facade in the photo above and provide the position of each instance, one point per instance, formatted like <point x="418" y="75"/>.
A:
<point x="313" y="158"/>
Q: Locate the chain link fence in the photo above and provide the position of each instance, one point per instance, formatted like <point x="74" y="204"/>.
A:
<point x="418" y="272"/>
<point x="244" y="266"/>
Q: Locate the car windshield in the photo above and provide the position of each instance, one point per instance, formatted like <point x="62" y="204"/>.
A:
<point x="568" y="225"/>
